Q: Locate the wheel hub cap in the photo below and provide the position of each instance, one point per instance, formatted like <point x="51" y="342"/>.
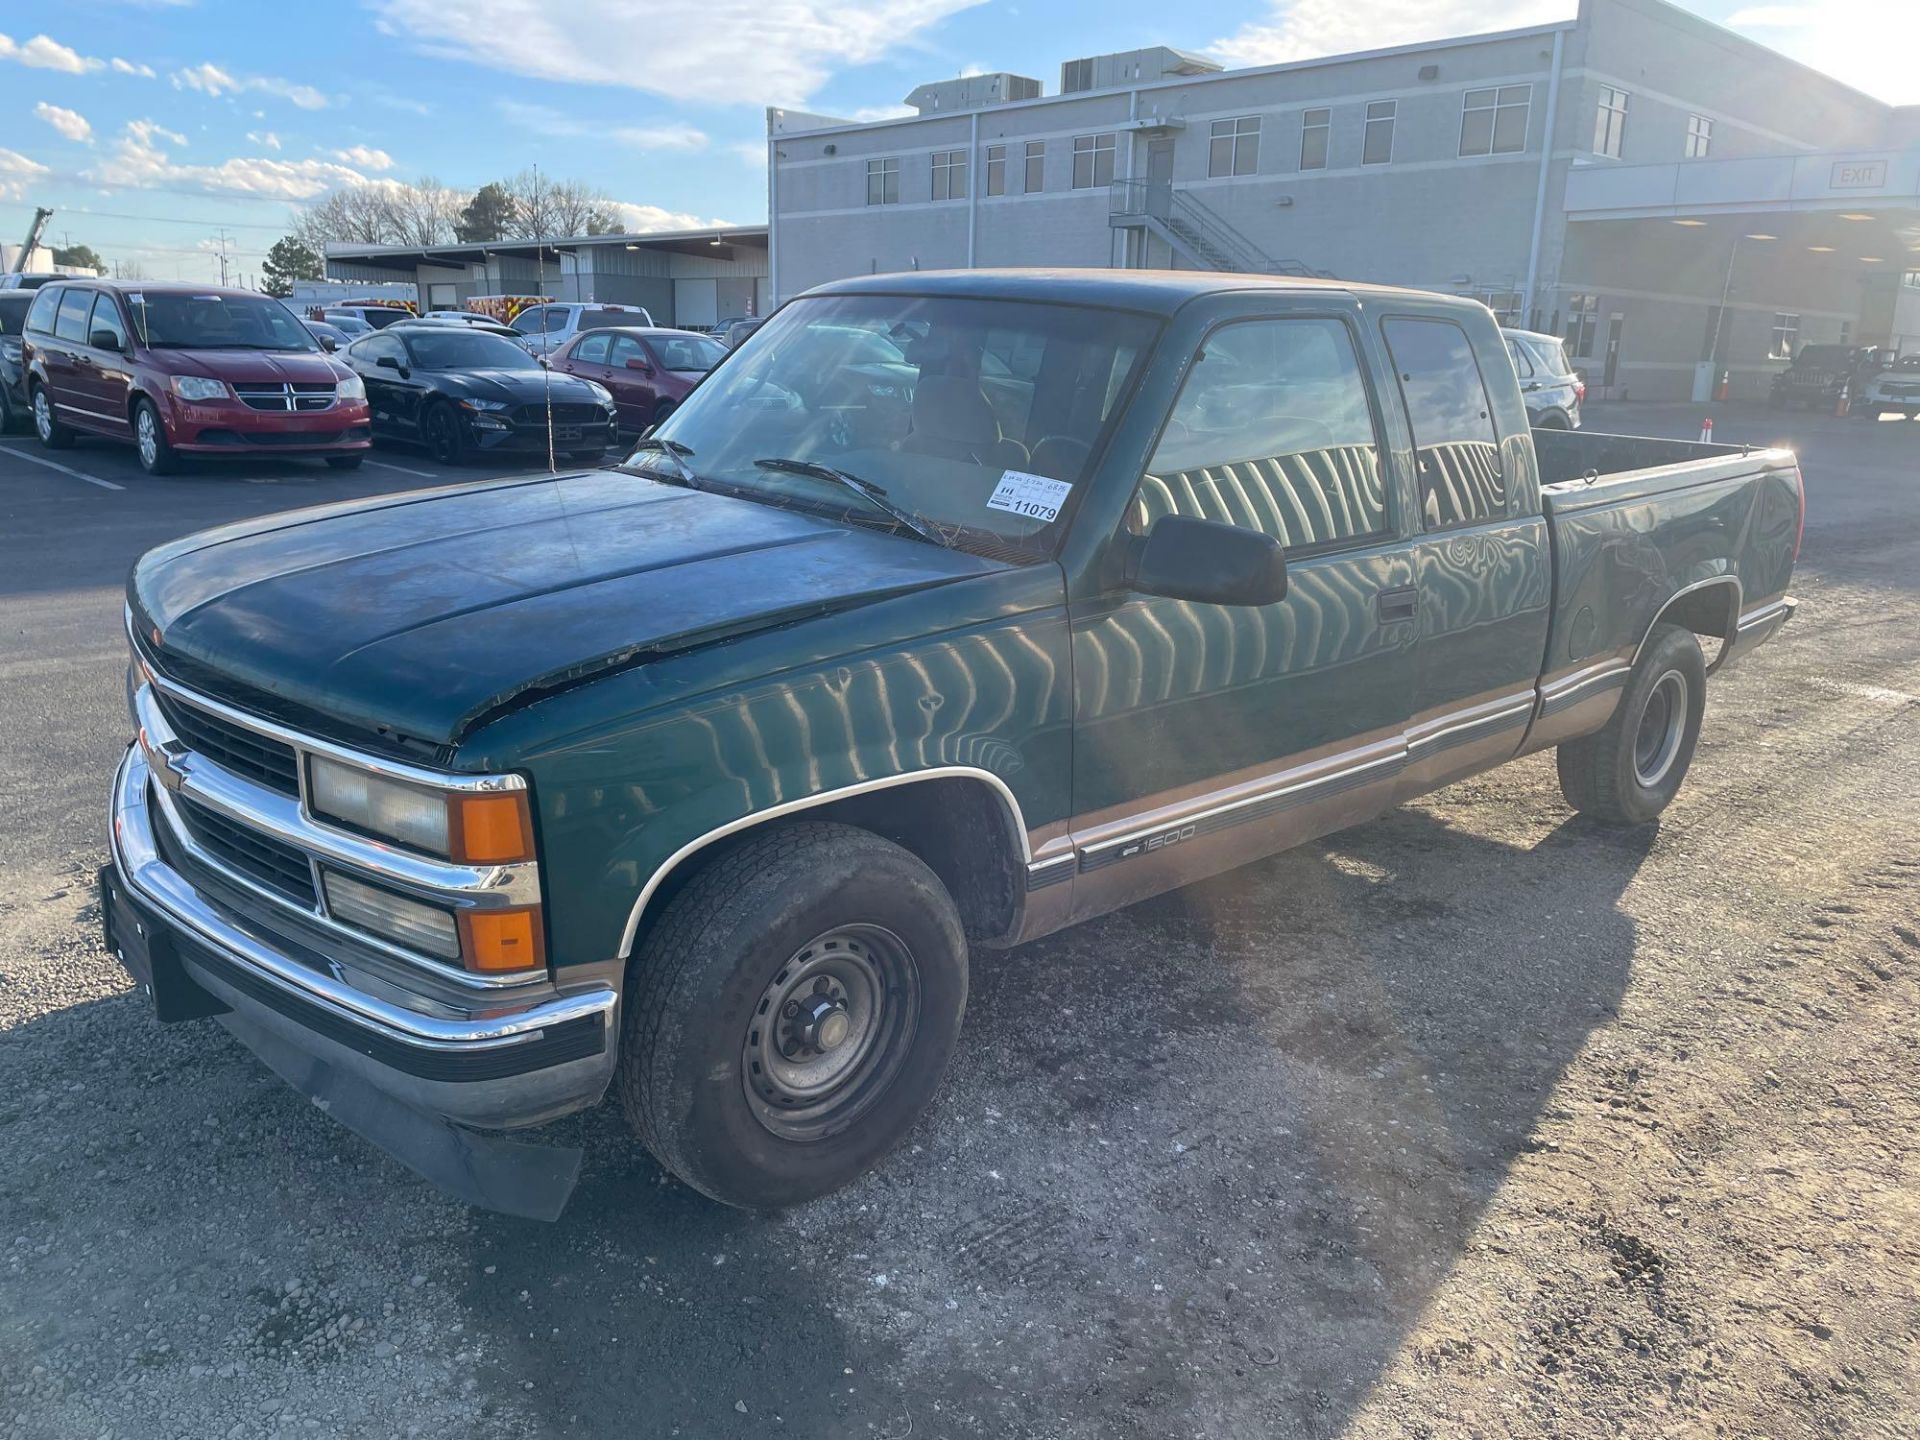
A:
<point x="1663" y="725"/>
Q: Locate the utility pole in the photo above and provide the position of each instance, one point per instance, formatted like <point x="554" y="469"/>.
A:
<point x="223" y="255"/>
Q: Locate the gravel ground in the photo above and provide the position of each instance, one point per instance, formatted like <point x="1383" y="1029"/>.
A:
<point x="1476" y="1120"/>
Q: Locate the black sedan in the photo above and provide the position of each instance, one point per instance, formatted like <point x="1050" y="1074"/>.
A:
<point x="460" y="392"/>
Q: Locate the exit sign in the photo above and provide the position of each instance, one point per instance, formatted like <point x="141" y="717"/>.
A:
<point x="1859" y="175"/>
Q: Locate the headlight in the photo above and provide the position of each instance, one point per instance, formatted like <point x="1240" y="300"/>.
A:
<point x="467" y="402"/>
<point x="394" y="917"/>
<point x="12" y="349"/>
<point x="352" y="387"/>
<point x="600" y="392"/>
<point x="199" y="387"/>
<point x="491" y="827"/>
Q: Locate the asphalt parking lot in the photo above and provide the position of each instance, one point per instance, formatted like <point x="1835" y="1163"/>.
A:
<point x="1476" y="1120"/>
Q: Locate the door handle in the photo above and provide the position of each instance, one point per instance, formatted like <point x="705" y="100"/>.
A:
<point x="1397" y="606"/>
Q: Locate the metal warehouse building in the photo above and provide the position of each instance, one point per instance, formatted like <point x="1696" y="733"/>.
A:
<point x="1674" y="199"/>
<point x="691" y="278"/>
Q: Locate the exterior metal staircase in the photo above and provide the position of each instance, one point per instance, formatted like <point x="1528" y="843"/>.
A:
<point x="1193" y="230"/>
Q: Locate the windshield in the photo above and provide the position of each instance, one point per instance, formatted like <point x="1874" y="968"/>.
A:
<point x="178" y="320"/>
<point x="1553" y="355"/>
<point x="980" y="417"/>
<point x="13" y="312"/>
<point x="689" y="352"/>
<point x="464" y="349"/>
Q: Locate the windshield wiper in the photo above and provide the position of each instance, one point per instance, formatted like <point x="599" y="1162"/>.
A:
<point x="873" y="494"/>
<point x="674" y="451"/>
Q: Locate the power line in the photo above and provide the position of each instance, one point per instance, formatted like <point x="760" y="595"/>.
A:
<point x="156" y="219"/>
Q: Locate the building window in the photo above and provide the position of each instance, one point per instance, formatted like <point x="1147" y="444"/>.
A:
<point x="1315" y="125"/>
<point x="1610" y="124"/>
<point x="949" y="174"/>
<point x="996" y="169"/>
<point x="1505" y="305"/>
<point x="883" y="182"/>
<point x="1494" y="121"/>
<point x="1583" y="319"/>
<point x="1377" y="147"/>
<point x="1092" y="161"/>
<point x="1786" y="337"/>
<point x="1036" y="166"/>
<point x="1699" y="137"/>
<point x="1235" y="147"/>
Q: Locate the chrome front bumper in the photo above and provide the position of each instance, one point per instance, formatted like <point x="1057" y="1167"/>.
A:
<point x="485" y="1059"/>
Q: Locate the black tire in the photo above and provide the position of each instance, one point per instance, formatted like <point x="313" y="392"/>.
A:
<point x="1868" y="412"/>
<point x="661" y="411"/>
<point x="150" y="445"/>
<point x="344" y="462"/>
<point x="440" y="429"/>
<point x="7" y="418"/>
<point x="1909" y="414"/>
<point x="778" y="911"/>
<point x="46" y="424"/>
<point x="1628" y="772"/>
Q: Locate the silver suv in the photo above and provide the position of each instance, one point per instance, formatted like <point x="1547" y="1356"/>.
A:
<point x="543" y="329"/>
<point x="1549" y="384"/>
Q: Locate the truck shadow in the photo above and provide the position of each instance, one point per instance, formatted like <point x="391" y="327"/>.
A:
<point x="1199" y="1167"/>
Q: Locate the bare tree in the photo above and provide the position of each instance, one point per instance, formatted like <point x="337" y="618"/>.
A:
<point x="545" y="207"/>
<point x="423" y="213"/>
<point x="426" y="213"/>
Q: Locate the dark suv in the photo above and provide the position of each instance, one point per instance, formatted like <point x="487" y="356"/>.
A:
<point x="1819" y="373"/>
<point x="13" y="383"/>
<point x="187" y="369"/>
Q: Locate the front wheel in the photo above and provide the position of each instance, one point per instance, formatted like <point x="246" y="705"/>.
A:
<point x="791" y="1013"/>
<point x="441" y="430"/>
<point x="1629" y="771"/>
<point x="46" y="425"/>
<point x="344" y="462"/>
<point x="150" y="440"/>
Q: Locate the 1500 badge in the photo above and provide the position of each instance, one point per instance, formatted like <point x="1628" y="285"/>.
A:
<point x="1157" y="842"/>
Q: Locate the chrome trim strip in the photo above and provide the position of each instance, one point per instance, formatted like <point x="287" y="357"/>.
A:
<point x="775" y="812"/>
<point x="1043" y="873"/>
<point x="1577" y="685"/>
<point x="1513" y="707"/>
<point x="1767" y="614"/>
<point x="458" y="781"/>
<point x="164" y="888"/>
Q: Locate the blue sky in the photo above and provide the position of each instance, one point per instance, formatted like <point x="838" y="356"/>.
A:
<point x="151" y="124"/>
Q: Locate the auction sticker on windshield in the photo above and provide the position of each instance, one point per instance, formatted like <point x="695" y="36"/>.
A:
<point x="1034" y="496"/>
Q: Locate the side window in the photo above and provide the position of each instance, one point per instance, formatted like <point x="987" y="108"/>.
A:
<point x="557" y="318"/>
<point x="1522" y="362"/>
<point x="593" y="349"/>
<point x="625" y="348"/>
<point x="71" y="323"/>
<point x="40" y="315"/>
<point x="1455" y="448"/>
<point x="532" y="320"/>
<point x="106" y="316"/>
<point x="1272" y="431"/>
<point x="374" y="348"/>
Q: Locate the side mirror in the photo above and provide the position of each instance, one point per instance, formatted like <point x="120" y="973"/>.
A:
<point x="1210" y="562"/>
<point x="105" y="340"/>
<point x="634" y="362"/>
<point x="329" y="344"/>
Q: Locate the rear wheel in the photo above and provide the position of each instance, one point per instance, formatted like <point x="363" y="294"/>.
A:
<point x="150" y="440"/>
<point x="46" y="424"/>
<point x="1629" y="771"/>
<point x="662" y="410"/>
<point x="791" y="1014"/>
<point x="1909" y="414"/>
<point x="441" y="429"/>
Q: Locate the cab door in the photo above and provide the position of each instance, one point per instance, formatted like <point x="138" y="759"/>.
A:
<point x="1481" y="560"/>
<point x="1207" y="735"/>
<point x="633" y="377"/>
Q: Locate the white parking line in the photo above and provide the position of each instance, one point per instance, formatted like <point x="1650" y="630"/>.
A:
<point x="63" y="469"/>
<point x="383" y="465"/>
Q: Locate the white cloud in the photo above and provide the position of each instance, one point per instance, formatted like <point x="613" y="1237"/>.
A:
<point x="1868" y="44"/>
<point x="1306" y="29"/>
<point x="127" y="67"/>
<point x="210" y="79"/>
<point x="765" y="51"/>
<point x="136" y="161"/>
<point x="362" y="156"/>
<point x="46" y="54"/>
<point x="644" y="219"/>
<point x="69" y="123"/>
<point x="867" y="113"/>
<point x="264" y="138"/>
<point x="560" y="126"/>
<point x="15" y="171"/>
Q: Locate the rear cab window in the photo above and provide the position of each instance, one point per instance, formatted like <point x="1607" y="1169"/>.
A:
<point x="1456" y="447"/>
<point x="1273" y="431"/>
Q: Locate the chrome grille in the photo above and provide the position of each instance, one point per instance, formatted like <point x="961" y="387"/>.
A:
<point x="286" y="395"/>
<point x="260" y="857"/>
<point x="245" y="752"/>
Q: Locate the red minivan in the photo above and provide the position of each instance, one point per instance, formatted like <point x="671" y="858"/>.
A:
<point x="649" y="370"/>
<point x="187" y="370"/>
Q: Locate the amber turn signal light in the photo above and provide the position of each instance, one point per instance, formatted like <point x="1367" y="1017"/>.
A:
<point x="495" y="942"/>
<point x="490" y="829"/>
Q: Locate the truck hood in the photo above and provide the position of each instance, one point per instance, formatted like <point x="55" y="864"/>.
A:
<point x="417" y="615"/>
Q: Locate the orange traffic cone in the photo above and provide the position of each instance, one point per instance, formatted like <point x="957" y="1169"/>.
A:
<point x="1844" y="405"/>
<point x="1725" y="385"/>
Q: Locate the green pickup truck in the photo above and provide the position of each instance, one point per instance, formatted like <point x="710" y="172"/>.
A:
<point x="949" y="610"/>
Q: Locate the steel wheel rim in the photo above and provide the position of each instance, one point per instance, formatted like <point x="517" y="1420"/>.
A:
<point x="1662" y="725"/>
<point x="149" y="440"/>
<point x="866" y="983"/>
<point x="42" y="415"/>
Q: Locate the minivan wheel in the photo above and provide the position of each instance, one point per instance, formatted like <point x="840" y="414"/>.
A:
<point x="52" y="433"/>
<point x="1629" y="771"/>
<point x="791" y="1013"/>
<point x="150" y="440"/>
